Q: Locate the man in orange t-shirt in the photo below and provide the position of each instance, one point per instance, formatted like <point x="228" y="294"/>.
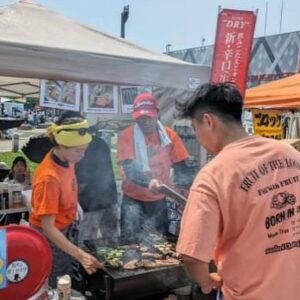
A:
<point x="55" y="195"/>
<point x="243" y="207"/>
<point x="146" y="153"/>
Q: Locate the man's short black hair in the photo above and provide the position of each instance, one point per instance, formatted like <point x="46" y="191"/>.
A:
<point x="221" y="99"/>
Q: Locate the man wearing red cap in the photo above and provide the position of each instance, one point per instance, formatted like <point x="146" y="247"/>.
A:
<point x="146" y="153"/>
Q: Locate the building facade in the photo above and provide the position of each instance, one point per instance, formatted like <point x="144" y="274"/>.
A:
<point x="272" y="57"/>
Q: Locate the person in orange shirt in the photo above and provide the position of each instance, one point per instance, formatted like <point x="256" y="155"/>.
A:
<point x="243" y="207"/>
<point x="55" y="193"/>
<point x="146" y="153"/>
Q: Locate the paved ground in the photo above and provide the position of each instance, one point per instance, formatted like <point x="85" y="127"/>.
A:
<point x="24" y="135"/>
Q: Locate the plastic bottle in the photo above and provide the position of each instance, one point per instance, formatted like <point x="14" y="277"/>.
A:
<point x="4" y="196"/>
<point x="64" y="287"/>
<point x="15" y="195"/>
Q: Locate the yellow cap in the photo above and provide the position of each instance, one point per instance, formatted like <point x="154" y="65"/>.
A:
<point x="71" y="135"/>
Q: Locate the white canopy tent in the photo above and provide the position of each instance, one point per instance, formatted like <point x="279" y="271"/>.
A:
<point x="38" y="43"/>
<point x="12" y="87"/>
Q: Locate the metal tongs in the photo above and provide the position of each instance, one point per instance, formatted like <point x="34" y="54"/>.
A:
<point x="170" y="192"/>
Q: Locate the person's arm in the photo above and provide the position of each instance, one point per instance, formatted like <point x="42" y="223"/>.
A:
<point x="90" y="263"/>
<point x="133" y="172"/>
<point x="199" y="272"/>
<point x="201" y="221"/>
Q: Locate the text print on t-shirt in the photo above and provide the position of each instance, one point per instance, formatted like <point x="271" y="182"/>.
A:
<point x="265" y="169"/>
<point x="282" y="202"/>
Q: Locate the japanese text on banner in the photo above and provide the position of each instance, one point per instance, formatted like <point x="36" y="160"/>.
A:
<point x="233" y="45"/>
<point x="268" y="123"/>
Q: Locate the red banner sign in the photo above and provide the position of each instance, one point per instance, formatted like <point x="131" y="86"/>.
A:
<point x="235" y="30"/>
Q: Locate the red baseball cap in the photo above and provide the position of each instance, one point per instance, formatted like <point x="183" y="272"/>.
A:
<point x="145" y="104"/>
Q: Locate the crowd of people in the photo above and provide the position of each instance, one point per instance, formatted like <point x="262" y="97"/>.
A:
<point x="36" y="117"/>
<point x="231" y="212"/>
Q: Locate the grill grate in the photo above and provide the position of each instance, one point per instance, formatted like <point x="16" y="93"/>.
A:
<point x="150" y="238"/>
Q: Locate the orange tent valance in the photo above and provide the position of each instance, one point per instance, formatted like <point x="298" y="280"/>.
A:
<point x="283" y="93"/>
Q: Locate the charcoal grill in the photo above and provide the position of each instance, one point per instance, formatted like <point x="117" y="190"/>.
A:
<point x="120" y="284"/>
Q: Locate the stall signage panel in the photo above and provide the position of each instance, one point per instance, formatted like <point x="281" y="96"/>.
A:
<point x="268" y="123"/>
<point x="128" y="94"/>
<point x="63" y="95"/>
<point x="235" y="29"/>
<point x="3" y="259"/>
<point x="100" y="98"/>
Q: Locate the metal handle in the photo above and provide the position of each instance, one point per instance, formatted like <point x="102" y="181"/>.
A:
<point x="107" y="284"/>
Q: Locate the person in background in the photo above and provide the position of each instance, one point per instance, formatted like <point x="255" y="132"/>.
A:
<point x="20" y="173"/>
<point x="97" y="192"/>
<point x="241" y="209"/>
<point x="35" y="119"/>
<point x="55" y="195"/>
<point x="146" y="153"/>
<point x="30" y="118"/>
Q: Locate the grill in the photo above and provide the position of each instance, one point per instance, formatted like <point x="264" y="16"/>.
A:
<point x="121" y="284"/>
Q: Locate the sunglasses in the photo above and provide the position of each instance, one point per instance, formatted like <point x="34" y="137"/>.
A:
<point x="81" y="131"/>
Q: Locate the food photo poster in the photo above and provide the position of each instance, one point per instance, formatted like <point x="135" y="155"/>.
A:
<point x="60" y="94"/>
<point x="100" y="98"/>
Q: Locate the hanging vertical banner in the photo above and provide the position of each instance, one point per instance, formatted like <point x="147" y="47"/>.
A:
<point x="235" y="30"/>
<point x="268" y="123"/>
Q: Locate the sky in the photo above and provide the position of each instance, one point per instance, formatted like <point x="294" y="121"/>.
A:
<point x="182" y="23"/>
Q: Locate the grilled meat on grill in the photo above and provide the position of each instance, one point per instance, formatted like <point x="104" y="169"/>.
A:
<point x="152" y="255"/>
<point x="133" y="264"/>
<point x="167" y="262"/>
<point x="136" y="256"/>
<point x="149" y="264"/>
